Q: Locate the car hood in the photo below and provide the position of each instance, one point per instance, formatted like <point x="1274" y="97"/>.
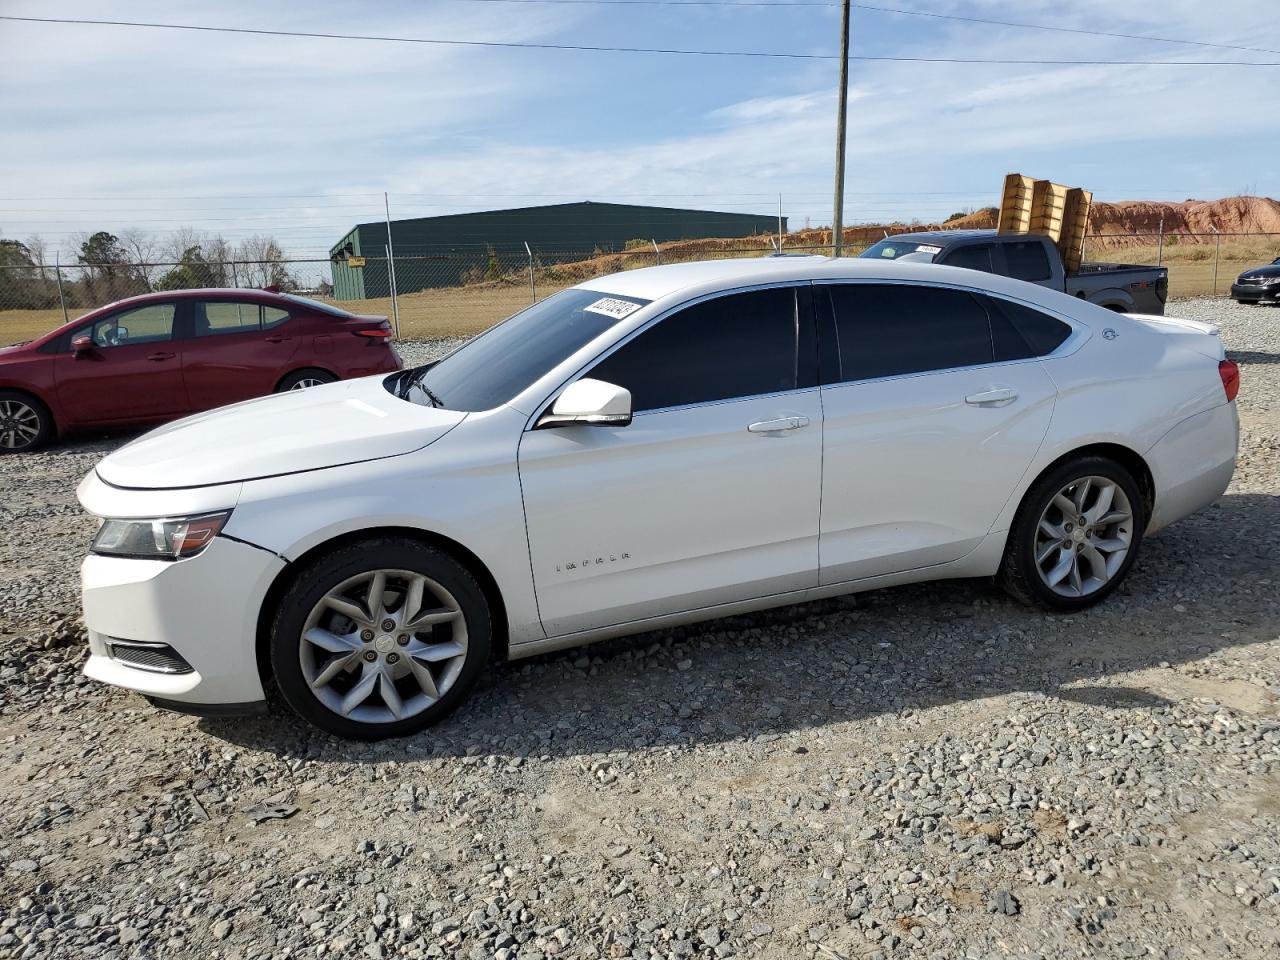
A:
<point x="327" y="426"/>
<point x="10" y="352"/>
<point x="1268" y="271"/>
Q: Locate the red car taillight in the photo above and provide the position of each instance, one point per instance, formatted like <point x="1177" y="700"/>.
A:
<point x="374" y="328"/>
<point x="1229" y="371"/>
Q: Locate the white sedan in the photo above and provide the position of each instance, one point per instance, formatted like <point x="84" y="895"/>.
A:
<point x="646" y="449"/>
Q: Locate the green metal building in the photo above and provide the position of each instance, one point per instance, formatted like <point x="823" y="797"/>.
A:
<point x="446" y="251"/>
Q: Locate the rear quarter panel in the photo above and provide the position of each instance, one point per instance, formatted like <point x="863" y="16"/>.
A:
<point x="1130" y="390"/>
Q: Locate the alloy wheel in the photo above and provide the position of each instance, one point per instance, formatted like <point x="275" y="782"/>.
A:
<point x="306" y="382"/>
<point x="1083" y="536"/>
<point x="383" y="646"/>
<point x="19" y="424"/>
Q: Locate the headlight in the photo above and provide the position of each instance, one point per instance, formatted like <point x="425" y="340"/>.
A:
<point x="167" y="538"/>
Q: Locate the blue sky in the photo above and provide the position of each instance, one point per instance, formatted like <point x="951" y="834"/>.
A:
<point x="115" y="128"/>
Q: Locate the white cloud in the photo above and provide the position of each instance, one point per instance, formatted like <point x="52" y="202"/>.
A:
<point x="103" y="113"/>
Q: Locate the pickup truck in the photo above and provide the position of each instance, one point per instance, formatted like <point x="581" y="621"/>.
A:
<point x="1123" y="287"/>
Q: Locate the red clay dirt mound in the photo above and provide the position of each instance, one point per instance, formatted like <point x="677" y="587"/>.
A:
<point x="1229" y="215"/>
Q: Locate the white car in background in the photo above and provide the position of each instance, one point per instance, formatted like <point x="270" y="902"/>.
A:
<point x="646" y="449"/>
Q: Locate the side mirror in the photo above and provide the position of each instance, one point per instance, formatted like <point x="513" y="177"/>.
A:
<point x="590" y="402"/>
<point x="81" y="344"/>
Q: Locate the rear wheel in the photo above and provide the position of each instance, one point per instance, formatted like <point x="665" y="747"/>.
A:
<point x="380" y="638"/>
<point x="302" y="379"/>
<point x="25" y="422"/>
<point x="1075" y="536"/>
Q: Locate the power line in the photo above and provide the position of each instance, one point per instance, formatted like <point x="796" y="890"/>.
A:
<point x="671" y="51"/>
<point x="897" y="11"/>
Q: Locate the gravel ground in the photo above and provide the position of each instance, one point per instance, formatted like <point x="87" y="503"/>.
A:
<point x="929" y="771"/>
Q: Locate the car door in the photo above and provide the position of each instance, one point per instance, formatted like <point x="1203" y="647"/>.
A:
<point x="133" y="371"/>
<point x="926" y="435"/>
<point x="710" y="495"/>
<point x="239" y="349"/>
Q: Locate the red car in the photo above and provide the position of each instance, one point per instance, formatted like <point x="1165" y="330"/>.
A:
<point x="165" y="355"/>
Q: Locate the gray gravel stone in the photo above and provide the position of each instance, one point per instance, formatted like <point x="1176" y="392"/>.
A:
<point x="882" y="772"/>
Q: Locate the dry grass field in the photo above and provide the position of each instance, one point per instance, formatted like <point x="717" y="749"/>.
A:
<point x="461" y="311"/>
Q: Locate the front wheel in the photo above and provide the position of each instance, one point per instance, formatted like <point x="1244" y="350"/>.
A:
<point x="380" y="638"/>
<point x="1075" y="536"/>
<point x="25" y="422"/>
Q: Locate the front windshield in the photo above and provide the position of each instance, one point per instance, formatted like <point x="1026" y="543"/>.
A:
<point x="890" y="249"/>
<point x="488" y="370"/>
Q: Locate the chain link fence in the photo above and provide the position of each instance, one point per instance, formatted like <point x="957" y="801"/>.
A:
<point x="461" y="291"/>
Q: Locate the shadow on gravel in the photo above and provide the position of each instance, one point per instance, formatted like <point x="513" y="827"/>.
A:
<point x="1250" y="357"/>
<point x="1120" y="698"/>
<point x="1207" y="583"/>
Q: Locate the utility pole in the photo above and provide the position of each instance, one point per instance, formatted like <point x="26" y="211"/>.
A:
<point x="837" y="215"/>
<point x="391" y="267"/>
<point x="779" y="223"/>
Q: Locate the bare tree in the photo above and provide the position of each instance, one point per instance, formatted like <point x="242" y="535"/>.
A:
<point x="262" y="262"/>
<point x="212" y="247"/>
<point x="145" y="250"/>
<point x="38" y="249"/>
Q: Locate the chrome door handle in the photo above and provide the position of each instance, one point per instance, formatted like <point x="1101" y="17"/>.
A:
<point x="992" y="398"/>
<point x="775" y="426"/>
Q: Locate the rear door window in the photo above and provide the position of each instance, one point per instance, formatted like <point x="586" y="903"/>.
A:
<point x="1027" y="260"/>
<point x="741" y="345"/>
<point x="886" y="330"/>
<point x="214" y="318"/>
<point x="975" y="256"/>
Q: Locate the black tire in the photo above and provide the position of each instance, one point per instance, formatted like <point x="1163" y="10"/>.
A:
<point x="1019" y="573"/>
<point x="20" y="412"/>
<point x="299" y="378"/>
<point x="318" y="577"/>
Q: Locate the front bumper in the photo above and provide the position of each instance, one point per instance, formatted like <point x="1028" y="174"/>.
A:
<point x="205" y="609"/>
<point x="1256" y="292"/>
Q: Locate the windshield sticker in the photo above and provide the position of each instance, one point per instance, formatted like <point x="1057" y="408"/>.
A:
<point x="928" y="248"/>
<point x="613" y="307"/>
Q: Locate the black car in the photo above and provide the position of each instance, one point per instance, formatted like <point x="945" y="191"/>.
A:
<point x="1258" y="285"/>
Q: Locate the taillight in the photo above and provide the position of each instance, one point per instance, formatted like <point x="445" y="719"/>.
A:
<point x="377" y="334"/>
<point x="1229" y="371"/>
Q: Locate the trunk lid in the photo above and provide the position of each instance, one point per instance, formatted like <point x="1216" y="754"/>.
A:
<point x="1195" y="335"/>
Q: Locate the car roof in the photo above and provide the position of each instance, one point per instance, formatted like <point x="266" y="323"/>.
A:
<point x="686" y="281"/>
<point x="201" y="293"/>
<point x="941" y="235"/>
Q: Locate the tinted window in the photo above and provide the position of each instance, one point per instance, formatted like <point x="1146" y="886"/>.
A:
<point x="1027" y="260"/>
<point x="735" y="346"/>
<point x="148" y="324"/>
<point x="216" y="317"/>
<point x="1020" y="331"/>
<point x="315" y="305"/>
<point x="888" y="329"/>
<point x="974" y="257"/>
<point x="490" y="369"/>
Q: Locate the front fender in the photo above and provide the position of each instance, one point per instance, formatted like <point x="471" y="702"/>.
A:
<point x="467" y="492"/>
